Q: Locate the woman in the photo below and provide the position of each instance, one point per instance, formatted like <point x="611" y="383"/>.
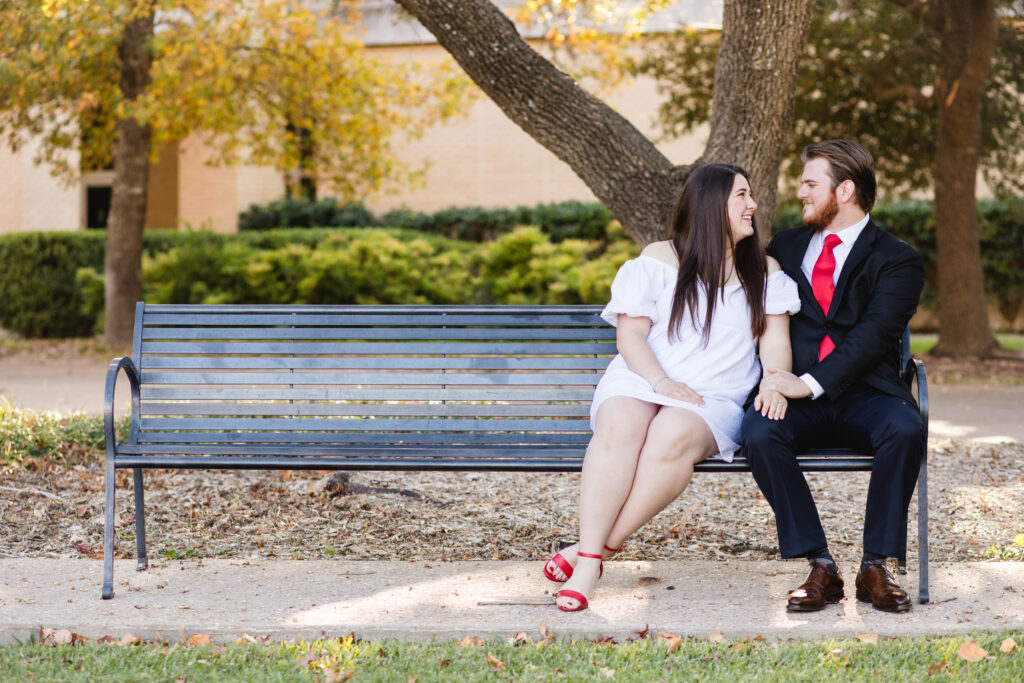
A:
<point x="690" y="313"/>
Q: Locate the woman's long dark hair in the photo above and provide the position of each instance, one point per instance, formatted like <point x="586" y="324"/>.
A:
<point x="701" y="234"/>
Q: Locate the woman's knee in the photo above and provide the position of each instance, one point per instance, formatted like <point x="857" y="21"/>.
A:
<point x="688" y="443"/>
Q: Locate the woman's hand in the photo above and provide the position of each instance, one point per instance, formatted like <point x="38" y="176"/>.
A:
<point x="677" y="390"/>
<point x="771" y="403"/>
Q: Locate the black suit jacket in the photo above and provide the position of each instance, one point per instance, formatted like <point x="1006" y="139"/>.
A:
<point x="877" y="293"/>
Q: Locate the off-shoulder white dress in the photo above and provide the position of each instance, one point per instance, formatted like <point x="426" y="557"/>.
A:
<point x="723" y="372"/>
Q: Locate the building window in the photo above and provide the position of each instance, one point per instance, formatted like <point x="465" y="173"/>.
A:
<point x="97" y="206"/>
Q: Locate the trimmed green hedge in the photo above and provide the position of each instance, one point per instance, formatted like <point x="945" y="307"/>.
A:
<point x="565" y="220"/>
<point x="52" y="283"/>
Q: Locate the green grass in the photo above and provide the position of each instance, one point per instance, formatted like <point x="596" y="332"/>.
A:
<point x="27" y="434"/>
<point x="898" y="659"/>
<point x="923" y="343"/>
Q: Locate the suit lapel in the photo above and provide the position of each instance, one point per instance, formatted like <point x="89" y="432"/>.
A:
<point x="792" y="263"/>
<point x="861" y="248"/>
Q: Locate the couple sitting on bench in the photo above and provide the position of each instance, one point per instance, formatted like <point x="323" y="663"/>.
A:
<point x="824" y="312"/>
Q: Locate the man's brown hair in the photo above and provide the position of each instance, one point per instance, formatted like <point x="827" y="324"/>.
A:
<point x="847" y="160"/>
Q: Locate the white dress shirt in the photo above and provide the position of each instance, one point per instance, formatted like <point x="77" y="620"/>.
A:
<point x="847" y="237"/>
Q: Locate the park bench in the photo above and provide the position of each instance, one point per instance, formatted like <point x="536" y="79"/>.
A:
<point x="443" y="388"/>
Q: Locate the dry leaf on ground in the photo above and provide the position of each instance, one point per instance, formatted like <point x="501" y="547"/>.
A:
<point x="972" y="652"/>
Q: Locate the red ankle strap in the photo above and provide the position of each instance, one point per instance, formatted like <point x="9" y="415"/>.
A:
<point x="596" y="557"/>
<point x="615" y="550"/>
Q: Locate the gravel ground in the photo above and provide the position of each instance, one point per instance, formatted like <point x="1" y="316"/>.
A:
<point x="55" y="509"/>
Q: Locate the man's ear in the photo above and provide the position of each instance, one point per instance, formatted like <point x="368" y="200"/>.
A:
<point x="846" y="191"/>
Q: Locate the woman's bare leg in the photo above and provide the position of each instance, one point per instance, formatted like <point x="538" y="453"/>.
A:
<point x="608" y="469"/>
<point x="677" y="439"/>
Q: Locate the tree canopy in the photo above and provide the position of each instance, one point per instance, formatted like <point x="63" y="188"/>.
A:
<point x="868" y="73"/>
<point x="265" y="81"/>
<point x="268" y="82"/>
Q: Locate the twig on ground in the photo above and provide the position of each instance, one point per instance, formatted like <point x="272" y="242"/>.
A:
<point x="32" y="491"/>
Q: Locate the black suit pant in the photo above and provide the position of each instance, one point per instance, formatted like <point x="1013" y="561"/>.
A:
<point x="861" y="418"/>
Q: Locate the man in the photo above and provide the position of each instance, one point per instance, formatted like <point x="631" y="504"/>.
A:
<point x="859" y="286"/>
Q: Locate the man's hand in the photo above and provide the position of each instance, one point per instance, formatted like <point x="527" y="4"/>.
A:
<point x="786" y="383"/>
<point x="771" y="404"/>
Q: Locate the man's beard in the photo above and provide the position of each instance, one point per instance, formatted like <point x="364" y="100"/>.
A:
<point x="821" y="219"/>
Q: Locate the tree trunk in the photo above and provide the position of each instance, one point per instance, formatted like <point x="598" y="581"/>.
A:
<point x="619" y="165"/>
<point x="755" y="83"/>
<point x="123" y="262"/>
<point x="968" y="33"/>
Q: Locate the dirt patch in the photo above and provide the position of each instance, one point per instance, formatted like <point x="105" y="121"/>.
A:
<point x="56" y="510"/>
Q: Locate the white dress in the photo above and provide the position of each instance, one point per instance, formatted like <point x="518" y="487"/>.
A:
<point x="723" y="372"/>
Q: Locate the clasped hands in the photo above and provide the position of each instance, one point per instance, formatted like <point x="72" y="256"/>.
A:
<point x="777" y="386"/>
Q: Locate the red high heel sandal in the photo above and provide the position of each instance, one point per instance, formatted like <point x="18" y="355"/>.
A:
<point x="580" y="598"/>
<point x="563" y="564"/>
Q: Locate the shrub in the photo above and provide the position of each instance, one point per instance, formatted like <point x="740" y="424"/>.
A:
<point x="295" y="212"/>
<point x="52" y="282"/>
<point x="39" y="293"/>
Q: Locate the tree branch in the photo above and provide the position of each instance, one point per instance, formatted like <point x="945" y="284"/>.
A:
<point x="620" y="166"/>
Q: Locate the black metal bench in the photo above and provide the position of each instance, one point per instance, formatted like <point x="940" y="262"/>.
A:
<point x="448" y="388"/>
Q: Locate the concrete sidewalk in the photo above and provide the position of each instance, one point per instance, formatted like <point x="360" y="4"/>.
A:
<point x="287" y="599"/>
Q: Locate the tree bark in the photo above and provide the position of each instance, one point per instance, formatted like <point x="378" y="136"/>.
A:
<point x="968" y="34"/>
<point x="755" y="83"/>
<point x="620" y="166"/>
<point x="123" y="261"/>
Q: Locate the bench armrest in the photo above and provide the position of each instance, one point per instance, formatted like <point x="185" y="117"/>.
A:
<point x="915" y="370"/>
<point x="116" y="366"/>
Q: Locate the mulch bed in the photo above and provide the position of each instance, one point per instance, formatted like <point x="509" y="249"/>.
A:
<point x="55" y="509"/>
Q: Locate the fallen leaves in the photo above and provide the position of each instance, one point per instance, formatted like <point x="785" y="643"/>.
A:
<point x="1007" y="646"/>
<point x="972" y="652"/>
<point x="198" y="639"/>
<point x="495" y="663"/>
<point x="458" y="516"/>
<point x="870" y="638"/>
<point x="54" y="637"/>
<point x="671" y="640"/>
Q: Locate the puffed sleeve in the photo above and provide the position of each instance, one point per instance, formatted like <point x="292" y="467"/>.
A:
<point x="635" y="292"/>
<point x="782" y="296"/>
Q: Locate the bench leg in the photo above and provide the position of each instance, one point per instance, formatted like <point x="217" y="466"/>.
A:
<point x="108" y="533"/>
<point x="140" y="522"/>
<point x="922" y="530"/>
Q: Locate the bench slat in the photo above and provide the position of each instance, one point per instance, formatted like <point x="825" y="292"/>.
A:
<point x="374" y="333"/>
<point x="457" y="393"/>
<point x="365" y="424"/>
<point x="372" y="362"/>
<point x="336" y="316"/>
<point x="363" y="409"/>
<point x="385" y="378"/>
<point x="436" y="348"/>
<point x="390" y="438"/>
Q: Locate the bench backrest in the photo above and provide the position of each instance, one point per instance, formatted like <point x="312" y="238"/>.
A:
<point x="369" y="374"/>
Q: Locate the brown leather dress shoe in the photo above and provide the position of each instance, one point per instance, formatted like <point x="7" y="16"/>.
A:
<point x="877" y="586"/>
<point x="824" y="585"/>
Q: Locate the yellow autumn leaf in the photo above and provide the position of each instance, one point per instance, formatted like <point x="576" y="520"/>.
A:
<point x="868" y="638"/>
<point x="1007" y="646"/>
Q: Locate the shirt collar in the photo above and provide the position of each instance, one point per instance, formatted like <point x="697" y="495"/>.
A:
<point x="849" y="234"/>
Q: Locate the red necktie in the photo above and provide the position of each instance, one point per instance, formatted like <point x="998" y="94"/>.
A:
<point x="823" y="286"/>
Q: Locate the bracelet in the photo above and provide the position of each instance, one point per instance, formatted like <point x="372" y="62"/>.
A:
<point x="655" y="385"/>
